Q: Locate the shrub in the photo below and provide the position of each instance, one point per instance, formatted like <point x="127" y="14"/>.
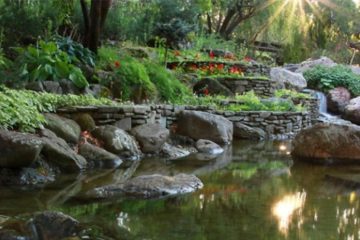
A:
<point x="48" y="62"/>
<point x="325" y="78"/>
<point x="21" y="109"/>
<point x="132" y="80"/>
<point x="168" y="86"/>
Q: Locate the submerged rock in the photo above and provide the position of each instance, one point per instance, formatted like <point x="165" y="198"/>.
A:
<point x="243" y="131"/>
<point x="337" y="99"/>
<point x="64" y="128"/>
<point x="99" y="157"/>
<point x="151" y="186"/>
<point x="202" y="125"/>
<point x="58" y="152"/>
<point x="208" y="147"/>
<point x="18" y="150"/>
<point x="328" y="143"/>
<point x="151" y="137"/>
<point x="172" y="152"/>
<point x="117" y="141"/>
<point x="50" y="225"/>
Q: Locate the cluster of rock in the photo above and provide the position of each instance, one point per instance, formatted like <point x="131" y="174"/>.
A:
<point x="66" y="145"/>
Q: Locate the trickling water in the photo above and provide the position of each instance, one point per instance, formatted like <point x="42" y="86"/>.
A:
<point x="323" y="102"/>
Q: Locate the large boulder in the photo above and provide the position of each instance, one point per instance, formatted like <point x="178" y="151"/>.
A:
<point x="18" y="150"/>
<point x="337" y="99"/>
<point x="50" y="225"/>
<point x="99" y="157"/>
<point x="287" y="79"/>
<point x="150" y="186"/>
<point x="203" y="125"/>
<point x="328" y="143"/>
<point x="117" y="141"/>
<point x="64" y="128"/>
<point x="85" y="121"/>
<point x="308" y="64"/>
<point x="352" y="111"/>
<point x="242" y="131"/>
<point x="58" y="152"/>
<point x="213" y="86"/>
<point x="151" y="137"/>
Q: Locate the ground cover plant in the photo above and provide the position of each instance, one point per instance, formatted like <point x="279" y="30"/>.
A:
<point x="22" y="109"/>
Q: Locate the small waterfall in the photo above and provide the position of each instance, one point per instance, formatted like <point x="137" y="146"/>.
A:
<point x="324" y="115"/>
<point x="322" y="103"/>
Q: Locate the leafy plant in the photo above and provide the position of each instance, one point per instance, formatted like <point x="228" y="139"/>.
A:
<point x="21" y="109"/>
<point x="75" y="50"/>
<point x="168" y="86"/>
<point x="325" y="78"/>
<point x="48" y="62"/>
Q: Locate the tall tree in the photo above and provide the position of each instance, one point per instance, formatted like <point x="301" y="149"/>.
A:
<point x="224" y="16"/>
<point x="94" y="21"/>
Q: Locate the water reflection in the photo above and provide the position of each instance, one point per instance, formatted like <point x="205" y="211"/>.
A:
<point x="288" y="206"/>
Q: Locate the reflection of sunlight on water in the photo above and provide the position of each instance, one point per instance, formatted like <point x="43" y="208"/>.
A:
<point x="286" y="207"/>
<point x="122" y="219"/>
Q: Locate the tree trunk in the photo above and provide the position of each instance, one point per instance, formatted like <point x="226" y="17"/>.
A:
<point x="94" y="22"/>
<point x="85" y="13"/>
<point x="94" y="31"/>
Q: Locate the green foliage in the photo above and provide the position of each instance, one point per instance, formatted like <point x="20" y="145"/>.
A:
<point x="133" y="80"/>
<point x="175" y="32"/>
<point x="325" y="78"/>
<point x="169" y="87"/>
<point x="48" y="62"/>
<point x="24" y="21"/>
<point x="21" y="109"/>
<point x="246" y="102"/>
<point x="75" y="50"/>
<point x="287" y="93"/>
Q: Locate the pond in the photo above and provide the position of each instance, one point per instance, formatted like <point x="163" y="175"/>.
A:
<point x="253" y="191"/>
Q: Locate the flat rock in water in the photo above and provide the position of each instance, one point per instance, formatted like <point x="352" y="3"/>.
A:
<point x="150" y="186"/>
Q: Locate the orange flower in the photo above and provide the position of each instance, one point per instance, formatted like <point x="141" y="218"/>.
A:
<point x="220" y="66"/>
<point x="177" y="53"/>
<point x="117" y="64"/>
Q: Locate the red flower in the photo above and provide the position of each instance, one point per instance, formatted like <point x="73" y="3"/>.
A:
<point x="220" y="67"/>
<point x="193" y="67"/>
<point x="211" y="54"/>
<point x="206" y="91"/>
<point x="247" y="59"/>
<point x="235" y="70"/>
<point x="117" y="64"/>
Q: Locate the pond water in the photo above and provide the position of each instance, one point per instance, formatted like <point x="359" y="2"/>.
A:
<point x="253" y="191"/>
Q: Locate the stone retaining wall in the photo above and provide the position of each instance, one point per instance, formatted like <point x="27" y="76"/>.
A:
<point x="248" y="69"/>
<point x="261" y="87"/>
<point x="275" y="124"/>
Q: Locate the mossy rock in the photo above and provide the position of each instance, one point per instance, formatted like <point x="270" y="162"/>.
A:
<point x="85" y="121"/>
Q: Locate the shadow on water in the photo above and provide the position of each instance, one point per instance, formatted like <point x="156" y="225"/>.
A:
<point x="252" y="191"/>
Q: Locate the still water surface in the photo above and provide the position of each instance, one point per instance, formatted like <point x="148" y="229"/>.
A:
<point x="253" y="191"/>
